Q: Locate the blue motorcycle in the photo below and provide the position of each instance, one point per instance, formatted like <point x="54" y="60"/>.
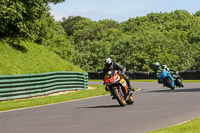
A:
<point x="167" y="79"/>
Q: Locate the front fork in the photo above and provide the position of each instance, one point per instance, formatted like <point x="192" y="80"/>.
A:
<point x="122" y="90"/>
<point x="124" y="85"/>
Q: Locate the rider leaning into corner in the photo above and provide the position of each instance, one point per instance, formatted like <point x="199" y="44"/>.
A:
<point x="109" y="65"/>
<point x="159" y="67"/>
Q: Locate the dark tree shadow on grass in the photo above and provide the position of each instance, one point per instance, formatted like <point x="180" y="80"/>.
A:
<point x="18" y="47"/>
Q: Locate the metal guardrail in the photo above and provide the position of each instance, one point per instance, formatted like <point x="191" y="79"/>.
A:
<point x="190" y="75"/>
<point x="29" y="85"/>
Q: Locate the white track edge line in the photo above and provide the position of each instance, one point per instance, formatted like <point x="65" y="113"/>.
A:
<point x="54" y="103"/>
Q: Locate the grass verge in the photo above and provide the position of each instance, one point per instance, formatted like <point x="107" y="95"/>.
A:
<point x="188" y="127"/>
<point x="80" y="94"/>
<point x="23" y="103"/>
<point x="30" y="58"/>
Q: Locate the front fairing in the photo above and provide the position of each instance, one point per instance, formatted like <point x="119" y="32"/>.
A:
<point x="161" y="74"/>
<point x="164" y="74"/>
<point x="112" y="77"/>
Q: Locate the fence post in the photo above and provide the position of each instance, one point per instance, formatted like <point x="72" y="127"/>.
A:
<point x="85" y="80"/>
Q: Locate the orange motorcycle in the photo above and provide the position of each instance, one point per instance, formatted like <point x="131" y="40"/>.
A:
<point x="118" y="87"/>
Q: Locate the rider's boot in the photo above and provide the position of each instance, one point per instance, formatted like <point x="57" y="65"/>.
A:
<point x="106" y="89"/>
<point x="110" y="93"/>
<point x="131" y="89"/>
<point x="113" y="98"/>
<point x="129" y="85"/>
<point x="159" y="81"/>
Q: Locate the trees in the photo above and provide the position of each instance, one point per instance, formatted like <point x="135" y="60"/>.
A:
<point x="31" y="20"/>
<point x="53" y="36"/>
<point x="170" y="38"/>
<point x="19" y="18"/>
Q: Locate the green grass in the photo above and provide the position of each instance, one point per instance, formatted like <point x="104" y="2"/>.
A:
<point x="188" y="127"/>
<point x="31" y="58"/>
<point x="191" y="81"/>
<point x="24" y="103"/>
<point x="16" y="104"/>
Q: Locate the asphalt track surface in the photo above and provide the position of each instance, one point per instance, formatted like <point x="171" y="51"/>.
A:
<point x="155" y="107"/>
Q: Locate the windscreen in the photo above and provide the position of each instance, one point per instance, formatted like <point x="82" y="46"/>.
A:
<point x="110" y="74"/>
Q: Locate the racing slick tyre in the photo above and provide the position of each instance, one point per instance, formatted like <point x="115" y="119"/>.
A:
<point x="169" y="83"/>
<point x="130" y="100"/>
<point x="119" y="96"/>
<point x="179" y="83"/>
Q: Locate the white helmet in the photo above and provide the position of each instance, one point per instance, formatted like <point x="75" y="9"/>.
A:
<point x="157" y="64"/>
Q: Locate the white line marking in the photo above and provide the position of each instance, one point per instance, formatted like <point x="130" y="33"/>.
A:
<point x="51" y="104"/>
<point x="54" y="103"/>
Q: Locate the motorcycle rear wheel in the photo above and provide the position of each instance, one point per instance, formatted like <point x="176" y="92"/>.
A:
<point x="117" y="94"/>
<point x="130" y="100"/>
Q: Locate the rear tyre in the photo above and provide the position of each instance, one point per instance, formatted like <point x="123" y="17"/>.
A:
<point x="119" y="96"/>
<point x="179" y="83"/>
<point x="130" y="100"/>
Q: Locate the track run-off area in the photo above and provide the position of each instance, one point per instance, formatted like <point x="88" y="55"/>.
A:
<point x="155" y="107"/>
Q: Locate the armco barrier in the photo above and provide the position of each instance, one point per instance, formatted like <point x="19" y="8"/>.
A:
<point x="94" y="75"/>
<point x="141" y="75"/>
<point x="131" y="75"/>
<point x="152" y="75"/>
<point x="192" y="75"/>
<point x="29" y="85"/>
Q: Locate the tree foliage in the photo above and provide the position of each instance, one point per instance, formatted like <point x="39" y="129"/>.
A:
<point x="31" y="20"/>
<point x="170" y="38"/>
<point x="18" y="18"/>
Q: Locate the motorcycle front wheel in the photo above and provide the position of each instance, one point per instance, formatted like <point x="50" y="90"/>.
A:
<point x="179" y="83"/>
<point x="169" y="83"/>
<point x="119" y="96"/>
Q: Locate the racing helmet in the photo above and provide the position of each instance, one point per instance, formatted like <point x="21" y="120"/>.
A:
<point x="157" y="65"/>
<point x="108" y="63"/>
